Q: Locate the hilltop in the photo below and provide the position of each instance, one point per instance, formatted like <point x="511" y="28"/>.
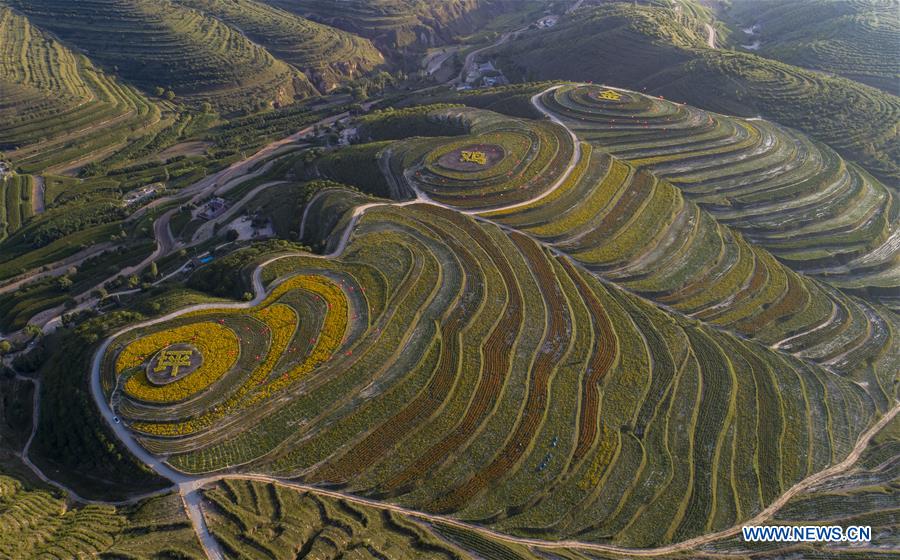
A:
<point x="649" y="49"/>
<point x="287" y="278"/>
<point x="856" y="39"/>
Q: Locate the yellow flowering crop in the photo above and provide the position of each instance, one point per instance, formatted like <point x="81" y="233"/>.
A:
<point x="282" y="323"/>
<point x="330" y="337"/>
<point x="218" y="345"/>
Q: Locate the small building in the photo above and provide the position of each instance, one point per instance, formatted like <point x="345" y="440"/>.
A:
<point x="4" y="169"/>
<point x="213" y="209"/>
<point x="348" y="136"/>
<point x="142" y="193"/>
<point x="198" y="261"/>
<point x="546" y="22"/>
<point x="494" y="81"/>
<point x="485" y="67"/>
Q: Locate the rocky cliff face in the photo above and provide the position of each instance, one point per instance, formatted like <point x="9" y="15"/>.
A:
<point x="402" y="25"/>
<point x="440" y="22"/>
<point x="329" y="76"/>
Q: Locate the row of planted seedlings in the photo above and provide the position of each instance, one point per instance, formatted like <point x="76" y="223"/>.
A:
<point x="346" y="371"/>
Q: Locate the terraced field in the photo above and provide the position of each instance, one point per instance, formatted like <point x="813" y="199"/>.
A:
<point x="171" y="46"/>
<point x="865" y="495"/>
<point x="48" y="81"/>
<point x="628" y="226"/>
<point x="239" y="352"/>
<point x="650" y="49"/>
<point x="856" y="39"/>
<point x="798" y="199"/>
<point x="156" y="528"/>
<point x="530" y="157"/>
<point x="328" y="56"/>
<point x="475" y="332"/>
<point x="56" y="108"/>
<point x="36" y="524"/>
<point x="472" y="372"/>
<point x="253" y="520"/>
<point x="15" y="203"/>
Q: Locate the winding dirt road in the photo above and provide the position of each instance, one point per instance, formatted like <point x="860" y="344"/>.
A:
<point x="37" y="195"/>
<point x="683" y="546"/>
<point x="470" y="58"/>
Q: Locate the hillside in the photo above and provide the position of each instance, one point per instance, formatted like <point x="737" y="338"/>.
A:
<point x="33" y="69"/>
<point x="864" y="495"/>
<point x="56" y="107"/>
<point x="328" y="56"/>
<point x="288" y="279"/>
<point x="534" y="378"/>
<point x="37" y="524"/>
<point x="856" y="39"/>
<point x="170" y="46"/>
<point x="456" y="368"/>
<point x="264" y="520"/>
<point x="628" y="225"/>
<point x="247" y="519"/>
<point x="401" y="24"/>
<point x="646" y="49"/>
<point x="798" y="199"/>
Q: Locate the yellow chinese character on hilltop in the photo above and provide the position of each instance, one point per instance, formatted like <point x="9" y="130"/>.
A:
<point x="609" y="94"/>
<point x="173" y="359"/>
<point x="475" y="157"/>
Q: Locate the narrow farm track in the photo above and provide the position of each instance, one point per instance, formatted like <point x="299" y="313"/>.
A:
<point x="59" y="268"/>
<point x="24" y="457"/>
<point x="191" y="500"/>
<point x="37" y="195"/>
<point x="470" y="58"/>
